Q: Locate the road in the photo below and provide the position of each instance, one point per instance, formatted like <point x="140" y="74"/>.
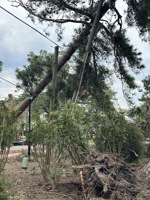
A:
<point x="19" y="148"/>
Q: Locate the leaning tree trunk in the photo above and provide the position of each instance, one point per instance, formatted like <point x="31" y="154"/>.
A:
<point x="77" y="42"/>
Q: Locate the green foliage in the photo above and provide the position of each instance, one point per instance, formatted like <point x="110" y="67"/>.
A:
<point x="66" y="129"/>
<point x="39" y="66"/>
<point x="111" y="39"/>
<point x="30" y="75"/>
<point x="133" y="146"/>
<point x="83" y="12"/>
<point x="6" y="133"/>
<point x="141" y="117"/>
<point x="64" y="137"/>
<point x="138" y="15"/>
<point x="114" y="134"/>
<point x="146" y="93"/>
<point x="95" y="85"/>
<point x="124" y="50"/>
<point x="112" y="131"/>
<point x="126" y="58"/>
<point x="73" y="130"/>
<point x="4" y="190"/>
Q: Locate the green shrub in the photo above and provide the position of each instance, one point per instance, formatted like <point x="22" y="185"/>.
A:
<point x="4" y="195"/>
<point x="118" y="136"/>
<point x="134" y="146"/>
<point x="4" y="190"/>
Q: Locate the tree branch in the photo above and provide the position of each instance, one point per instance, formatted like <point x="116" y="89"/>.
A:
<point x="119" y="19"/>
<point x="63" y="21"/>
<point x="80" y="11"/>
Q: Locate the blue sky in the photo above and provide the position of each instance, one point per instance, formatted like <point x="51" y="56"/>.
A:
<point x="17" y="40"/>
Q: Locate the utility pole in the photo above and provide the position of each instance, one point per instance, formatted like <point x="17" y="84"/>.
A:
<point x="54" y="81"/>
<point x="93" y="32"/>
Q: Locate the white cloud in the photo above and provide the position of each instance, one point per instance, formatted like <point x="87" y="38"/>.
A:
<point x="16" y="41"/>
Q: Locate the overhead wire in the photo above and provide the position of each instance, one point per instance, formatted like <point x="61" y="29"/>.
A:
<point x="30" y="26"/>
<point x="8" y="81"/>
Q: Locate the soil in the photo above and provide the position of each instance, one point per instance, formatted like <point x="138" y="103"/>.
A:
<point x="29" y="185"/>
<point x="105" y="174"/>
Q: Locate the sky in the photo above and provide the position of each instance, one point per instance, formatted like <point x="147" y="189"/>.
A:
<point x="17" y="40"/>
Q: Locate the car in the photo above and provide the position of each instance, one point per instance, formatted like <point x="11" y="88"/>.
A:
<point x="20" y="141"/>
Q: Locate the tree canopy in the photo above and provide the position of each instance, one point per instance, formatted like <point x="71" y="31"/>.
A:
<point x="109" y="43"/>
<point x="146" y="93"/>
<point x="83" y="12"/>
<point x="94" y="87"/>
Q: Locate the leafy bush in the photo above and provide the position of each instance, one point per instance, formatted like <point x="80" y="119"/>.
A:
<point x="61" y="138"/>
<point x="120" y="137"/>
<point x="134" y="146"/>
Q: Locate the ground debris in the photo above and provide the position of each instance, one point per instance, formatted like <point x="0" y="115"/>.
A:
<point x="108" y="177"/>
<point x="104" y="176"/>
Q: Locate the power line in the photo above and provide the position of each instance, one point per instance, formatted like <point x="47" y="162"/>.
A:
<point x="30" y="26"/>
<point x="8" y="81"/>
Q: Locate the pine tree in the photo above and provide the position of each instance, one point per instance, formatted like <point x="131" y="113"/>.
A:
<point x="108" y="30"/>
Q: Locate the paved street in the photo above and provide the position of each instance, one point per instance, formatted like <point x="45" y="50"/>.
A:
<point x="19" y="147"/>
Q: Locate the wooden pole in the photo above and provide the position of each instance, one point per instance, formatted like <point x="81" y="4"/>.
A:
<point x="87" y="50"/>
<point x="54" y="81"/>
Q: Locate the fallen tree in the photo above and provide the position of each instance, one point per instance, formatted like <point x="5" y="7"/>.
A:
<point x="108" y="177"/>
<point x="72" y="47"/>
